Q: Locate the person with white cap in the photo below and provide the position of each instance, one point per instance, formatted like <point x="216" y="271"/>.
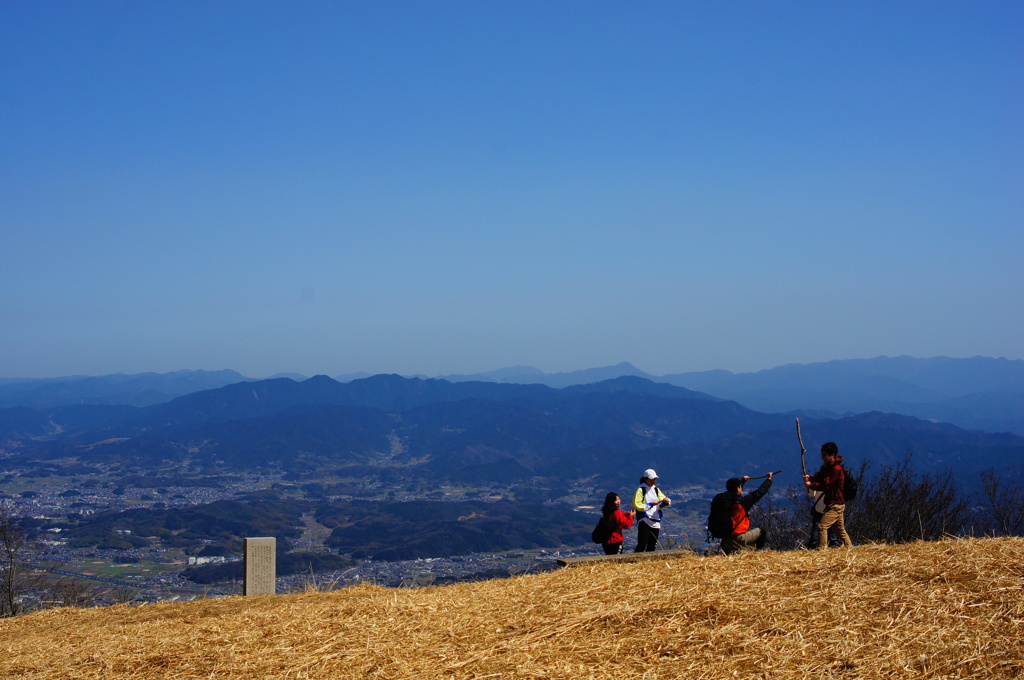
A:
<point x="648" y="502"/>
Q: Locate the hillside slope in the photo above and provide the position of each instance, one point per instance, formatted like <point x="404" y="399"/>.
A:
<point x="925" y="610"/>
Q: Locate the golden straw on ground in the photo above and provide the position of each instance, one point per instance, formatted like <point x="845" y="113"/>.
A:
<point x="951" y="609"/>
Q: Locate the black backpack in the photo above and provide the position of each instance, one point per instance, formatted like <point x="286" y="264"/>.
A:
<point x="849" y="485"/>
<point x="720" y="519"/>
<point x="603" y="531"/>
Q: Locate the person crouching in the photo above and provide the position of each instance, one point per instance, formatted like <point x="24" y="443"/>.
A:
<point x="743" y="535"/>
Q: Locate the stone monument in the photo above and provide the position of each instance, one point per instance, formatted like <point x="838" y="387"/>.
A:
<point x="260" y="566"/>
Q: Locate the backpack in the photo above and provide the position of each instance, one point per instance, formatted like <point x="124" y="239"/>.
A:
<point x="603" y="531"/>
<point x="720" y="519"/>
<point x="849" y="485"/>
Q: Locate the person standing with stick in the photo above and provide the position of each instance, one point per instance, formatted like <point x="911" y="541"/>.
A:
<point x="817" y="499"/>
<point x="648" y="502"/>
<point x="830" y="480"/>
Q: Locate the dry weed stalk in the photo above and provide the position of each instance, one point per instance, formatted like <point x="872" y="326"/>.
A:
<point x="949" y="609"/>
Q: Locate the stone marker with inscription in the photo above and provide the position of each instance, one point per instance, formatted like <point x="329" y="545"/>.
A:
<point x="260" y="566"/>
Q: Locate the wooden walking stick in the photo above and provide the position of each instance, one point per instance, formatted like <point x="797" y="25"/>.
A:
<point x="763" y="476"/>
<point x="803" y="464"/>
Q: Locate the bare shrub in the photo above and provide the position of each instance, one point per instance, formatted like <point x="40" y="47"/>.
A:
<point x="785" y="518"/>
<point x="17" y="574"/>
<point x="1002" y="506"/>
<point x="68" y="592"/>
<point x="899" y="505"/>
<point x="125" y="595"/>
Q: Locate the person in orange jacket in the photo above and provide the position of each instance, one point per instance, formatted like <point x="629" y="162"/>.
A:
<point x="743" y="535"/>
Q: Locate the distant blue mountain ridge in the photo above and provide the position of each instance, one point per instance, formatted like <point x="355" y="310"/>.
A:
<point x="406" y="429"/>
<point x="979" y="393"/>
<point x="139" y="389"/>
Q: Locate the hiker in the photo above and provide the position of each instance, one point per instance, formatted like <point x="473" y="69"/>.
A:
<point x="731" y="509"/>
<point x="616" y="520"/>
<point x="830" y="480"/>
<point x="648" y="502"/>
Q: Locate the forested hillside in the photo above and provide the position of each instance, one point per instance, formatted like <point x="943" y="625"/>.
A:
<point x="406" y="429"/>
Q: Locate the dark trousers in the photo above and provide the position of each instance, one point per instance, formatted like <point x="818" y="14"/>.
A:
<point x="612" y="548"/>
<point x="646" y="538"/>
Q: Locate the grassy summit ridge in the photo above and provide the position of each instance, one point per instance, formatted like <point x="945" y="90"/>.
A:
<point x="924" y="610"/>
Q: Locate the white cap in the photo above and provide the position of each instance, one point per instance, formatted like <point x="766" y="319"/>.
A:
<point x="650" y="474"/>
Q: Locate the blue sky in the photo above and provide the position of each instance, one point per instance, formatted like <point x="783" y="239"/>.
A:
<point x="442" y="187"/>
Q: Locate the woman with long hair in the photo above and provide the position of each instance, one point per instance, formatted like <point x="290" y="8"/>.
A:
<point x="617" y="521"/>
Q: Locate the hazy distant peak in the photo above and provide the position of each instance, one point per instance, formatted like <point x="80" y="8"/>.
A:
<point x="297" y="377"/>
<point x="515" y="371"/>
<point x="139" y="389"/>
<point x="529" y="375"/>
<point x="593" y="375"/>
<point x="349" y="377"/>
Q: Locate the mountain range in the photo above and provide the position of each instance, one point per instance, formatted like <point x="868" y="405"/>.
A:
<point x="396" y="430"/>
<point x="977" y="393"/>
<point x="980" y="393"/>
<point x="140" y="389"/>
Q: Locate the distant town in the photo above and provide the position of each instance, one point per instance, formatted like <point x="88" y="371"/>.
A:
<point x="154" y="573"/>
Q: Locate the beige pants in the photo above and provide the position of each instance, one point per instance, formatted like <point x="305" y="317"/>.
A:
<point x="833" y="519"/>
<point x="731" y="544"/>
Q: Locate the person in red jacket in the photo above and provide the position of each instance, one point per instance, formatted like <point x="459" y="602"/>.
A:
<point x="618" y="520"/>
<point x="830" y="480"/>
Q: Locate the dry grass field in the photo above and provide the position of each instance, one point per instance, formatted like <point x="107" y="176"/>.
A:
<point x="952" y="609"/>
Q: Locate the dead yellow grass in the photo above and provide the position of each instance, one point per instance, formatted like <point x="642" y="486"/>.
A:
<point x="953" y="609"/>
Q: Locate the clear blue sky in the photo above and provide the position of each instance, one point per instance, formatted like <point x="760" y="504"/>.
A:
<point x="438" y="187"/>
